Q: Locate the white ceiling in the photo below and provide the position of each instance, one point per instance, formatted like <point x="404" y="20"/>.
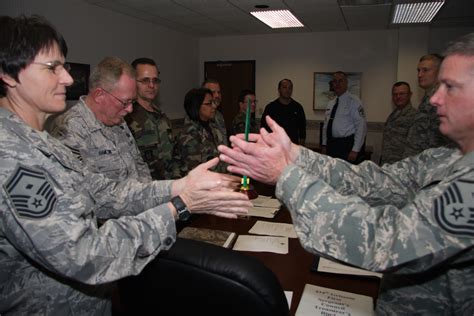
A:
<point x="206" y="18"/>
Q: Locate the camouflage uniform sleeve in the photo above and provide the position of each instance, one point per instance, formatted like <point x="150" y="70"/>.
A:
<point x="220" y="122"/>
<point x="189" y="148"/>
<point x="367" y="180"/>
<point x="131" y="197"/>
<point x="211" y="148"/>
<point x="376" y="236"/>
<point x="238" y="125"/>
<point x="64" y="237"/>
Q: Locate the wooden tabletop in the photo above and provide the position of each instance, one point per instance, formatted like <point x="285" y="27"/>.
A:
<point x="293" y="269"/>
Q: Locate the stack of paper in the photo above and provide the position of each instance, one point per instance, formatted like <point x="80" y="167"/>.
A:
<point x="329" y="266"/>
<point x="275" y="241"/>
<point x="262" y="243"/>
<point x="320" y="301"/>
<point x="273" y="229"/>
<point x="264" y="206"/>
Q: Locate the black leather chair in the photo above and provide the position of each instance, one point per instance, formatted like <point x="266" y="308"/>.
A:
<point x="196" y="278"/>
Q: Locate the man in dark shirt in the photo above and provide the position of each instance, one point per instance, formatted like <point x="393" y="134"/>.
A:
<point x="288" y="113"/>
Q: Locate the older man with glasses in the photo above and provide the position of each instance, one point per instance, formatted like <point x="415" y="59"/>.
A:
<point x="95" y="129"/>
<point x="150" y="126"/>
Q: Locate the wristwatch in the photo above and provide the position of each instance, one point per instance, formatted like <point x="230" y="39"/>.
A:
<point x="183" y="212"/>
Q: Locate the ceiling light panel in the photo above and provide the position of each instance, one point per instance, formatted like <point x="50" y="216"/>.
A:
<point x="416" y="12"/>
<point x="277" y="18"/>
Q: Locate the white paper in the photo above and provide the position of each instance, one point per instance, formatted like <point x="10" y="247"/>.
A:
<point x="266" y="201"/>
<point x="267" y="212"/>
<point x="273" y="229"/>
<point x="261" y="243"/>
<point x="319" y="301"/>
<point x="289" y="296"/>
<point x="260" y="200"/>
<point x="326" y="265"/>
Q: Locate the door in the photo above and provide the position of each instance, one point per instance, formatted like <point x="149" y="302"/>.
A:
<point x="233" y="77"/>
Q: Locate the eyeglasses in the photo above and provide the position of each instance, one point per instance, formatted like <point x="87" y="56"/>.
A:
<point x="125" y="103"/>
<point x="147" y="81"/>
<point x="55" y="66"/>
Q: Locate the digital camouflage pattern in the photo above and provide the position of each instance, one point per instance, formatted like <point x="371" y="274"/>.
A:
<point x="109" y="150"/>
<point x="54" y="259"/>
<point x="238" y="124"/>
<point x="424" y="133"/>
<point x="411" y="220"/>
<point x="395" y="134"/>
<point x="220" y="124"/>
<point x="153" y="135"/>
<point x="195" y="145"/>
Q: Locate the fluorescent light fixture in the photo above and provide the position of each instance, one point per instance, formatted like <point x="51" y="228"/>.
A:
<point x="417" y="12"/>
<point x="277" y="18"/>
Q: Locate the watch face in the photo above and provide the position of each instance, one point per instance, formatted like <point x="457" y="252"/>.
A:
<point x="184" y="215"/>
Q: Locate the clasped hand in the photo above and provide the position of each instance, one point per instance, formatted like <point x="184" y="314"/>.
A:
<point x="213" y="193"/>
<point x="264" y="157"/>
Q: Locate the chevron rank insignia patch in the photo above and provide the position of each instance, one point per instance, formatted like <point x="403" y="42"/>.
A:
<point x="454" y="209"/>
<point x="76" y="153"/>
<point x="31" y="193"/>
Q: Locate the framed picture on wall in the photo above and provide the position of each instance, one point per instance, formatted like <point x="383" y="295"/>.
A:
<point x="323" y="93"/>
<point x="80" y="74"/>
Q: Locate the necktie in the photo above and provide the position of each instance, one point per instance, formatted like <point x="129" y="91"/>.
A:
<point x="331" y="119"/>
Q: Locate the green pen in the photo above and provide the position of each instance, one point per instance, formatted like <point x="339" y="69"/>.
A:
<point x="245" y="180"/>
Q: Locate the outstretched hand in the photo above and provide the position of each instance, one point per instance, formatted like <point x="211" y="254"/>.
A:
<point x="214" y="193"/>
<point x="264" y="157"/>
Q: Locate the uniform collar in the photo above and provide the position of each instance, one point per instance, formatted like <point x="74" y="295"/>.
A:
<point x="429" y="93"/>
<point x="345" y="95"/>
<point x="405" y="109"/>
<point x="466" y="160"/>
<point x="461" y="165"/>
<point x="90" y="120"/>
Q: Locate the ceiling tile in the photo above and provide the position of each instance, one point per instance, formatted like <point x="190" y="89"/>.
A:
<point x="367" y="17"/>
<point x="231" y="17"/>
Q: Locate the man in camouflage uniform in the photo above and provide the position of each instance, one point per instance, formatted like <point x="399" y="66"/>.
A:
<point x="412" y="220"/>
<point x="238" y="124"/>
<point x="219" y="121"/>
<point x="54" y="259"/>
<point x="424" y="132"/>
<point x="150" y="126"/>
<point x="398" y="123"/>
<point x="95" y="129"/>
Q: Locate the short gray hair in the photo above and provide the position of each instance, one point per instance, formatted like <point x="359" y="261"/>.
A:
<point x="108" y="72"/>
<point x="436" y="58"/>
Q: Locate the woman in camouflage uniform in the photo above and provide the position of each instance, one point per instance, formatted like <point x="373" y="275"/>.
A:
<point x="199" y="137"/>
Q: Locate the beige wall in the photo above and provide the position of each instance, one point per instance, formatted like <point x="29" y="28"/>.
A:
<point x="298" y="56"/>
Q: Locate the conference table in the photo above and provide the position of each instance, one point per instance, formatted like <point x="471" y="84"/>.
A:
<point x="293" y="270"/>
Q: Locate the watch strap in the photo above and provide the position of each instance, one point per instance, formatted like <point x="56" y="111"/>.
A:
<point x="181" y="208"/>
